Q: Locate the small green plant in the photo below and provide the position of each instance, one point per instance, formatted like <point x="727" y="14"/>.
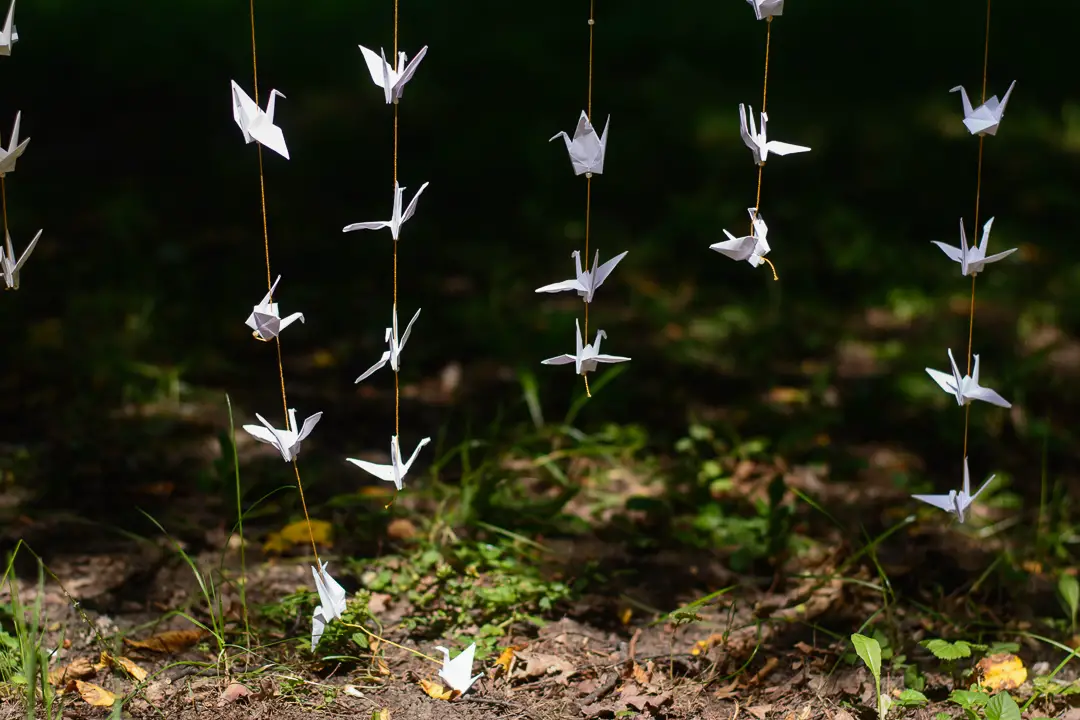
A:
<point x="1069" y="592"/>
<point x="979" y="706"/>
<point x="25" y="661"/>
<point x="869" y="651"/>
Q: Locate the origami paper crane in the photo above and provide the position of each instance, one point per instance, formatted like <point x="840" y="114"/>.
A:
<point x="331" y="603"/>
<point x="757" y="142"/>
<point x="393" y="355"/>
<point x="390" y="80"/>
<point x="956" y="502"/>
<point x="456" y="672"/>
<point x="265" y="320"/>
<point x="585" y="358"/>
<point x="972" y="260"/>
<point x="287" y="441"/>
<point x="394" y="472"/>
<point x="14" y="149"/>
<point x="10" y="266"/>
<point x="751" y="248"/>
<point x="587" y="282"/>
<point x="8" y="35"/>
<point x="397" y="219"/>
<point x="984" y="120"/>
<point x="767" y="8"/>
<point x="586" y="149"/>
<point x="257" y="124"/>
<point x="966" y="388"/>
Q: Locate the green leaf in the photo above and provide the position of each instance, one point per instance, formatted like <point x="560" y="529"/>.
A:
<point x="911" y="698"/>
<point x="1069" y="590"/>
<point x="942" y="716"/>
<point x="1002" y="707"/>
<point x="945" y="650"/>
<point x="870" y="653"/>
<point x="968" y="699"/>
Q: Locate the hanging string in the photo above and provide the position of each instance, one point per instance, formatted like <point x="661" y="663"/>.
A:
<point x="3" y="197"/>
<point x="397" y="386"/>
<point x="269" y="286"/>
<point x="761" y="167"/>
<point x="588" y="176"/>
<point x="975" y="230"/>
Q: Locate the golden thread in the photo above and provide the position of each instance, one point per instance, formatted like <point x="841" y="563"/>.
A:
<point x="3" y="196"/>
<point x="269" y="286"/>
<point x="588" y="176"/>
<point x="397" y="384"/>
<point x="391" y="642"/>
<point x="761" y="166"/>
<point x="975" y="230"/>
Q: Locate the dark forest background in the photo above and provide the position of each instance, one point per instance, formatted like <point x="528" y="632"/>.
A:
<point x="152" y="255"/>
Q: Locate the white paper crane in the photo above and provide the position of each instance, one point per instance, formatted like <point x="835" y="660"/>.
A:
<point x="394" y="472"/>
<point x="767" y="8"/>
<point x="586" y="282"/>
<point x="585" y="358"/>
<point x="758" y="142"/>
<point x="457" y="672"/>
<point x="984" y="120"/>
<point x="972" y="259"/>
<point x="9" y="265"/>
<point x="331" y="603"/>
<point x="265" y="319"/>
<point x="586" y="150"/>
<point x="257" y="124"/>
<point x="393" y="354"/>
<point x="8" y="35"/>
<point x="287" y="441"/>
<point x="14" y="149"/>
<point x="751" y="248"/>
<point x="398" y="217"/>
<point x="390" y="80"/>
<point x="956" y="502"/>
<point x="966" y="388"/>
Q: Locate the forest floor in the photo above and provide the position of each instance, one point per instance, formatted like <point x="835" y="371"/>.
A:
<point x="598" y="578"/>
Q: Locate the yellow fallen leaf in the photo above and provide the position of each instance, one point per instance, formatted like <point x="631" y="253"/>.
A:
<point x="437" y="691"/>
<point x="625" y="615"/>
<point x="134" y="670"/>
<point x="505" y="658"/>
<point x="1003" y="671"/>
<point x="95" y="694"/>
<point x="168" y="642"/>
<point x="383" y="714"/>
<point x="78" y="669"/>
<point x="296" y="533"/>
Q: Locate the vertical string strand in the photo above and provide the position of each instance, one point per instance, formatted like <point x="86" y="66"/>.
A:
<point x="397" y="385"/>
<point x="761" y="168"/>
<point x="588" y="176"/>
<point x="269" y="286"/>
<point x="975" y="229"/>
<point x="3" y="199"/>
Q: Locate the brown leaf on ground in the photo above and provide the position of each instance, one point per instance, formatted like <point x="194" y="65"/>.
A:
<point x="400" y="529"/>
<point x="728" y="691"/>
<point x="95" y="694"/>
<point x="1003" y="671"/>
<point x="78" y="669"/>
<point x="541" y="664"/>
<point x="759" y="711"/>
<point x="234" y="692"/>
<point x="172" y="641"/>
<point x="126" y="664"/>
<point x="648" y="703"/>
<point x="437" y="691"/>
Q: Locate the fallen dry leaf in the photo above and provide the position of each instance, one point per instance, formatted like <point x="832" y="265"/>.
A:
<point x="437" y="691"/>
<point x="1003" y="671"/>
<point x="759" y="711"/>
<point x="125" y="663"/>
<point x="234" y="692"/>
<point x="400" y="529"/>
<point x="506" y="657"/>
<point x="78" y="669"/>
<point x="297" y="533"/>
<point x="728" y="691"/>
<point x="172" y="641"/>
<point x="95" y="694"/>
<point x="541" y="664"/>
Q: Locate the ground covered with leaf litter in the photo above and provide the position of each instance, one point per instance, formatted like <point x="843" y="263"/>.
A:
<point x="619" y="601"/>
